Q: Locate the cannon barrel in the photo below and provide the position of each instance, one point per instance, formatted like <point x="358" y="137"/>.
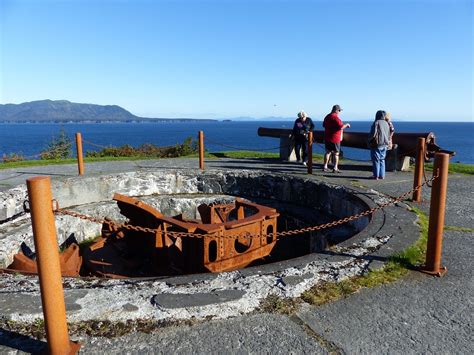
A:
<point x="406" y="142"/>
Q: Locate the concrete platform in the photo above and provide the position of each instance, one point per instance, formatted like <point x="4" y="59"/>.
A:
<point x="435" y="315"/>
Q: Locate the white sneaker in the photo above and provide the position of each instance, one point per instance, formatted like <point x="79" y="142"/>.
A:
<point x="304" y="163"/>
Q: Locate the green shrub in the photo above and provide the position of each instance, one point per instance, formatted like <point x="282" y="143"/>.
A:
<point x="58" y="148"/>
<point x="12" y="157"/>
<point x="147" y="150"/>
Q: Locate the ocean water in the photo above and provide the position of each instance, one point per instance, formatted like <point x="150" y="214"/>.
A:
<point x="30" y="139"/>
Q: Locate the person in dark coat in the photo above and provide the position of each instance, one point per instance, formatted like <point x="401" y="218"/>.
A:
<point x="303" y="125"/>
<point x="379" y="138"/>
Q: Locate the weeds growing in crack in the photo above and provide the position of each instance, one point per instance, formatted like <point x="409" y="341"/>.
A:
<point x="276" y="304"/>
<point x="459" y="229"/>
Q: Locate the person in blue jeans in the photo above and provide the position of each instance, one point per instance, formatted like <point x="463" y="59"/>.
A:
<point x="380" y="136"/>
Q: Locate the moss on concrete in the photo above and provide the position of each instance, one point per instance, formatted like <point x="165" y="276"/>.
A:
<point x="398" y="266"/>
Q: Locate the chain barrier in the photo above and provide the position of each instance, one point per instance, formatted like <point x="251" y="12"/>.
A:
<point x="428" y="183"/>
<point x="135" y="163"/>
<point x="323" y="148"/>
<point x="34" y="156"/>
<point x="111" y="146"/>
<point x="104" y="147"/>
<point x="94" y="144"/>
<point x="116" y="226"/>
<point x="244" y="149"/>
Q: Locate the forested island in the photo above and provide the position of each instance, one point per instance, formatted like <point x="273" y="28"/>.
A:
<point x="63" y="111"/>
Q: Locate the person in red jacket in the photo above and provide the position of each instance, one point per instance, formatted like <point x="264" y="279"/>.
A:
<point x="333" y="127"/>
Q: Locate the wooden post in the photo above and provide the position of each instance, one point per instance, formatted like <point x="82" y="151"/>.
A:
<point x="49" y="269"/>
<point x="80" y="162"/>
<point x="437" y="211"/>
<point x="419" y="167"/>
<point x="201" y="150"/>
<point x="310" y="152"/>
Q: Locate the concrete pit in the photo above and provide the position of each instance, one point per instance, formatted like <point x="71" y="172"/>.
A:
<point x="295" y="264"/>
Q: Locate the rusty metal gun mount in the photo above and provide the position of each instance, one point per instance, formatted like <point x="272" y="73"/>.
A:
<point x="228" y="237"/>
<point x="226" y="240"/>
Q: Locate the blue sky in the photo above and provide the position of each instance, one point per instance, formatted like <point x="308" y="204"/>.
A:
<point x="221" y="59"/>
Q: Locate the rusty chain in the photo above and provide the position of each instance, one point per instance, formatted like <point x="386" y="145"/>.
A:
<point x="429" y="184"/>
<point x="95" y="144"/>
<point x="115" y="225"/>
<point x="54" y="150"/>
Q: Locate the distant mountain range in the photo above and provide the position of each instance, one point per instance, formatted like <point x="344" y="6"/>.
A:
<point x="63" y="111"/>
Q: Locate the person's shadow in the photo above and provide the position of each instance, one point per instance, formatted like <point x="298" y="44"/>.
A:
<point x="21" y="342"/>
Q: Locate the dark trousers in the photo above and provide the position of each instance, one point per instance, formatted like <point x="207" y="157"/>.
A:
<point x="301" y="145"/>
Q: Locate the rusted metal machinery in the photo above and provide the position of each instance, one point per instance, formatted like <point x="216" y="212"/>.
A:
<point x="224" y="241"/>
<point x="228" y="237"/>
<point x="69" y="261"/>
<point x="406" y="143"/>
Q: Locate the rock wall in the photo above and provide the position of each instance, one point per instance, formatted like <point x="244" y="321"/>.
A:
<point x="93" y="196"/>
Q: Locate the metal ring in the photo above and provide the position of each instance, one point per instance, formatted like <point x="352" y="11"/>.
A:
<point x="26" y="206"/>
<point x="55" y="205"/>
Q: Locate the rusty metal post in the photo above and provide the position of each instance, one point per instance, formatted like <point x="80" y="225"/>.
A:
<point x="201" y="150"/>
<point x="80" y="161"/>
<point x="49" y="271"/>
<point x="419" y="167"/>
<point x="310" y="152"/>
<point x="437" y="211"/>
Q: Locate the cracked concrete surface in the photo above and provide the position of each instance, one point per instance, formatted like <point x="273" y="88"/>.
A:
<point x="204" y="297"/>
<point x="417" y="314"/>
